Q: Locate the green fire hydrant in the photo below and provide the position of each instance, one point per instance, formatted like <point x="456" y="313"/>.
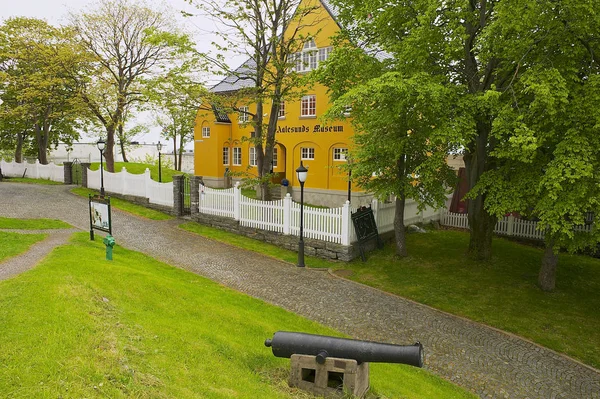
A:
<point x="109" y="241"/>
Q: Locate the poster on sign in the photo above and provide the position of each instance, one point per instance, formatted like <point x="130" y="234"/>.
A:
<point x="100" y="217"/>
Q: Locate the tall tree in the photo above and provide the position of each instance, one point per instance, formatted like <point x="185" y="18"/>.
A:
<point x="40" y="104"/>
<point x="474" y="47"/>
<point x="126" y="41"/>
<point x="267" y="34"/>
<point x="176" y="97"/>
<point x="548" y="131"/>
<point x="399" y="149"/>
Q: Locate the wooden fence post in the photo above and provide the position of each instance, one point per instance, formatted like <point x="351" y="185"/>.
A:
<point x="237" y="199"/>
<point x="287" y="213"/>
<point x="346" y="223"/>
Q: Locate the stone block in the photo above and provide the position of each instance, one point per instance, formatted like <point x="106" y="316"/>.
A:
<point x="335" y="378"/>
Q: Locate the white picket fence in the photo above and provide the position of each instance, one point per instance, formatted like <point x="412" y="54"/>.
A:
<point x="508" y="225"/>
<point x="126" y="183"/>
<point x="283" y="216"/>
<point x="33" y="170"/>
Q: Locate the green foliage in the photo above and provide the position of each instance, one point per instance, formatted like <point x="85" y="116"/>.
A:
<point x="40" y="105"/>
<point x="32" y="224"/>
<point x="13" y="244"/>
<point x="138" y="327"/>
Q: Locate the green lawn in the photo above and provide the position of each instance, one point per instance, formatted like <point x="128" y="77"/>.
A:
<point x="79" y="326"/>
<point x="32" y="224"/>
<point x="12" y="244"/>
<point x="139" y="168"/>
<point x="30" y="181"/>
<point x="501" y="293"/>
<point x="126" y="206"/>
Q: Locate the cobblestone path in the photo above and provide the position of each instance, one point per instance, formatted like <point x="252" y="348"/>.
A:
<point x="488" y="362"/>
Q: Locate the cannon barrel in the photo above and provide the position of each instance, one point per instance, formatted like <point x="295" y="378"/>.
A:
<point x="285" y="344"/>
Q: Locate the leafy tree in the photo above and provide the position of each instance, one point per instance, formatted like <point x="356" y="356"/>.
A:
<point x="399" y="148"/>
<point x="548" y="132"/>
<point x="481" y="51"/>
<point x="176" y="98"/>
<point x="266" y="33"/>
<point x="126" y="42"/>
<point x="40" y="106"/>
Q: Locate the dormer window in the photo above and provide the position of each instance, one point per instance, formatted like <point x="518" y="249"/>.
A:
<point x="309" y="58"/>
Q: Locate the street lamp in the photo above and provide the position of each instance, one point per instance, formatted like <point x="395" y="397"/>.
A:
<point x="159" y="147"/>
<point x="101" y="144"/>
<point x="302" y="174"/>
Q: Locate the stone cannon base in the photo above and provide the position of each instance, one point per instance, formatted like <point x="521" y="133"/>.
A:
<point x="335" y="378"/>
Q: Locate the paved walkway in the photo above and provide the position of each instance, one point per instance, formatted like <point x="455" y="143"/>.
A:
<point x="486" y="361"/>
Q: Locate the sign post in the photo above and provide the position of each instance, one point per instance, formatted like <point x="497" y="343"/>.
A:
<point x="366" y="228"/>
<point x="100" y="215"/>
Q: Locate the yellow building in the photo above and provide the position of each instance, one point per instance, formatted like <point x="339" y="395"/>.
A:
<point x="301" y="135"/>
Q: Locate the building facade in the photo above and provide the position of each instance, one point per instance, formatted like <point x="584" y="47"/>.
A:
<point x="302" y="136"/>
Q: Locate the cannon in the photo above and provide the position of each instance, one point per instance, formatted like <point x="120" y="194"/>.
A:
<point x="285" y="344"/>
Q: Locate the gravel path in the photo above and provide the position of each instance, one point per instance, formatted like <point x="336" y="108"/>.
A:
<point x="490" y="363"/>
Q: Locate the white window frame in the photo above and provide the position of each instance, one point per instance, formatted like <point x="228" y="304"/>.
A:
<point x="243" y="116"/>
<point x="226" y="156"/>
<point x="307" y="153"/>
<point x="274" y="159"/>
<point x="281" y="113"/>
<point x="310" y="57"/>
<point x="252" y="156"/>
<point x="205" y="132"/>
<point x="308" y="106"/>
<point x="340" y="154"/>
<point x="237" y="156"/>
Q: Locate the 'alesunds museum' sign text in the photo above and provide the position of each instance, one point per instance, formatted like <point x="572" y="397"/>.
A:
<point x="306" y="129"/>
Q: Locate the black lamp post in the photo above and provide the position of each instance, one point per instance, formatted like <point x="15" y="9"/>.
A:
<point x="101" y="144"/>
<point x="302" y="174"/>
<point x="159" y="147"/>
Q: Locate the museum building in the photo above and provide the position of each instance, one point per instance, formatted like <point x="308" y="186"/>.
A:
<point x="301" y="134"/>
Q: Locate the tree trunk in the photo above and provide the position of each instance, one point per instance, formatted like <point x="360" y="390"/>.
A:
<point x="175" y="165"/>
<point x="481" y="223"/>
<point x="41" y="138"/>
<point x="109" y="149"/>
<point x="121" y="143"/>
<point x="399" y="230"/>
<point x="547" y="276"/>
<point x="180" y="155"/>
<point x="19" y="148"/>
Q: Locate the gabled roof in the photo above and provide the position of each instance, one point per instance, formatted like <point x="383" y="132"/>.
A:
<point x="236" y="80"/>
<point x="220" y="115"/>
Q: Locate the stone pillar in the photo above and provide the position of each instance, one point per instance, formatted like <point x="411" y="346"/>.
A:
<point x="177" y="197"/>
<point x="68" y="168"/>
<point x="84" y="173"/>
<point x="195" y="194"/>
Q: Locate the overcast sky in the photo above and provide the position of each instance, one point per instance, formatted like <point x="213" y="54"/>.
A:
<point x="56" y="11"/>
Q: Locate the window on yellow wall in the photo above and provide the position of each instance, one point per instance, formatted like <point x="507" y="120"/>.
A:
<point x="252" y="158"/>
<point x="226" y="156"/>
<point x="340" y="154"/>
<point x="237" y="156"/>
<point x="205" y="132"/>
<point x="281" y="110"/>
<point x="307" y="153"/>
<point x="243" y="116"/>
<point x="308" y="105"/>
<point x="274" y="161"/>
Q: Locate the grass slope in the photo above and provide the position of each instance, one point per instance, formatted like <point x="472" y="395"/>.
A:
<point x="501" y="293"/>
<point x="31" y="181"/>
<point x="126" y="206"/>
<point x="12" y="244"/>
<point x="79" y="326"/>
<point x="32" y="224"/>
